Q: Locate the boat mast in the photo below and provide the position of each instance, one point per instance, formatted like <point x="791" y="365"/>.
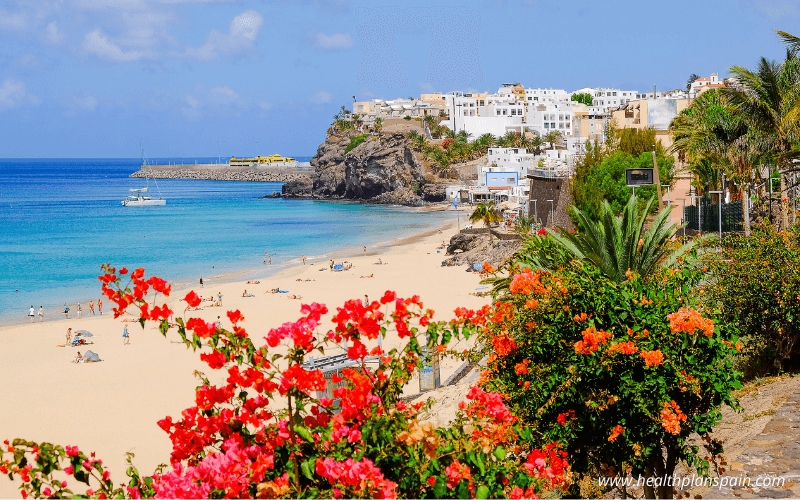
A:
<point x="144" y="164"/>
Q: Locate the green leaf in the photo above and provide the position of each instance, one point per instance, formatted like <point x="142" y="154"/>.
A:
<point x="500" y="453"/>
<point x="306" y="468"/>
<point x="483" y="492"/>
<point x="304" y="433"/>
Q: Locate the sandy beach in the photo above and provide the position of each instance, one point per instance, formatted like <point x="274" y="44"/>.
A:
<point x="112" y="407"/>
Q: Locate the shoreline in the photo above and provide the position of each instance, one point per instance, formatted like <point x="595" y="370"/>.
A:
<point x="243" y="274"/>
<point x="138" y="384"/>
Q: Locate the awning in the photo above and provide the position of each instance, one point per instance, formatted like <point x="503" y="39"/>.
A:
<point x="508" y="205"/>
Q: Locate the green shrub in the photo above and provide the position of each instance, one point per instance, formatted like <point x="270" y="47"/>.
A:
<point x="355" y="141"/>
<point x="621" y="374"/>
<point x="756" y="286"/>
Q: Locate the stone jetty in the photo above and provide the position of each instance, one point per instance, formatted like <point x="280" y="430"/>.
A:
<point x="217" y="172"/>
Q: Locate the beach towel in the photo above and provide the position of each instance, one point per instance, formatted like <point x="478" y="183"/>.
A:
<point x="338" y="267"/>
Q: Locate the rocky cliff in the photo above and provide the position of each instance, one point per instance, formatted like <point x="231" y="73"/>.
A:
<point x="381" y="169"/>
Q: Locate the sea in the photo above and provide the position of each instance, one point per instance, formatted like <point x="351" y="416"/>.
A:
<point x="60" y="219"/>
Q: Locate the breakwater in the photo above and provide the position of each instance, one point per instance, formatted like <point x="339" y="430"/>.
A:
<point x="217" y="172"/>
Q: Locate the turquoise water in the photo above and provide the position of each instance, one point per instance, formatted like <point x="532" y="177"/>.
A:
<point x="62" y="218"/>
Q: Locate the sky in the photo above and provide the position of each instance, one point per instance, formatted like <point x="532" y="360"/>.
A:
<point x="91" y="78"/>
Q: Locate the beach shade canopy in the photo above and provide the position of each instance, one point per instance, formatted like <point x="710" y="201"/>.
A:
<point x="90" y="356"/>
<point x="84" y="333"/>
<point x="338" y="267"/>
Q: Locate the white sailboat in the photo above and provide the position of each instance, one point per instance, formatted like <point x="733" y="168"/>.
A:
<point x="138" y="198"/>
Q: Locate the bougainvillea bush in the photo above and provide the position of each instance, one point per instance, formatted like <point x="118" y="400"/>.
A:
<point x="264" y="434"/>
<point x="756" y="286"/>
<point x="621" y="374"/>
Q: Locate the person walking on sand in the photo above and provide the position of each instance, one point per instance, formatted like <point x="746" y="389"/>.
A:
<point x="30" y="313"/>
<point x="201" y="281"/>
<point x="66" y="311"/>
<point x="69" y="336"/>
<point x="41" y="314"/>
<point x="100" y="306"/>
<point x="365" y="250"/>
<point x="91" y="307"/>
<point x="80" y="311"/>
<point x="304" y="259"/>
<point x="126" y="338"/>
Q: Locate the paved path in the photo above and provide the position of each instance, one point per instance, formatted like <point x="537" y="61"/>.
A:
<point x="772" y="456"/>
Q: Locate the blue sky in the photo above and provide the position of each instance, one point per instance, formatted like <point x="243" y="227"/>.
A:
<point x="89" y="78"/>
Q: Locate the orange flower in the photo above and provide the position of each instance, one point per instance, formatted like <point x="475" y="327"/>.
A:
<point x="671" y="417"/>
<point x="652" y="358"/>
<point x="592" y="338"/>
<point x="689" y="320"/>
<point x="526" y="282"/>
<point x="526" y="385"/>
<point x="580" y="317"/>
<point x="522" y="368"/>
<point x="615" y="432"/>
<point x="441" y="348"/>
<point x="503" y="345"/>
<point x="623" y="347"/>
<point x="531" y="303"/>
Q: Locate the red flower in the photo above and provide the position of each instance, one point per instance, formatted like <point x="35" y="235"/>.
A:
<point x="235" y="316"/>
<point x="432" y="481"/>
<point x="215" y="360"/>
<point x="192" y="299"/>
<point x="123" y="271"/>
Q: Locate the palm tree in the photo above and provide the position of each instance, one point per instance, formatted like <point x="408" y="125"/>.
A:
<point x="769" y="100"/>
<point x="690" y="81"/>
<point x="791" y="41"/>
<point x="486" y="213"/>
<point x="552" y="137"/>
<point x="378" y="126"/>
<point x="535" y="145"/>
<point x="617" y="245"/>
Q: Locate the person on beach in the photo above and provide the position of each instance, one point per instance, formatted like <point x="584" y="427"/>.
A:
<point x="66" y="311"/>
<point x="201" y="281"/>
<point x="366" y="300"/>
<point x="100" y="306"/>
<point x="78" y="357"/>
<point x="69" y="336"/>
<point x="304" y="259"/>
<point x="265" y="261"/>
<point x="365" y="250"/>
<point x="219" y="296"/>
<point x="91" y="307"/>
<point x="30" y="313"/>
<point x="126" y="338"/>
<point x="218" y="324"/>
<point x="41" y="314"/>
<point x="80" y="311"/>
<point x="270" y="260"/>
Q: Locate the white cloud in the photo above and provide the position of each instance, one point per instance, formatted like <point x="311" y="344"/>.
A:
<point x="53" y="33"/>
<point x="224" y="93"/>
<point x="321" y="97"/>
<point x="243" y="32"/>
<point x="337" y="41"/>
<point x="96" y="42"/>
<point x="13" y="20"/>
<point x="14" y="94"/>
<point x="84" y="102"/>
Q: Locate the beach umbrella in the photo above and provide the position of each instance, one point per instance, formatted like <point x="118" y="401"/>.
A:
<point x="84" y="333"/>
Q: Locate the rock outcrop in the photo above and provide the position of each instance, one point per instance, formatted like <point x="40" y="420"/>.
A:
<point x="474" y="248"/>
<point x="381" y="169"/>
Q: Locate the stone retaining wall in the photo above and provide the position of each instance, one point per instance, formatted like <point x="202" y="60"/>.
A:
<point x="227" y="174"/>
<point x="496" y="234"/>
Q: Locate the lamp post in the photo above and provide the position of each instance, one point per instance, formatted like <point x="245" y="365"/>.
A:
<point x="683" y="219"/>
<point x="719" y="205"/>
<point x="552" y="213"/>
<point x="535" y="211"/>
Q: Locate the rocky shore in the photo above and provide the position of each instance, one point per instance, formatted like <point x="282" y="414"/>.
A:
<point x="381" y="169"/>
